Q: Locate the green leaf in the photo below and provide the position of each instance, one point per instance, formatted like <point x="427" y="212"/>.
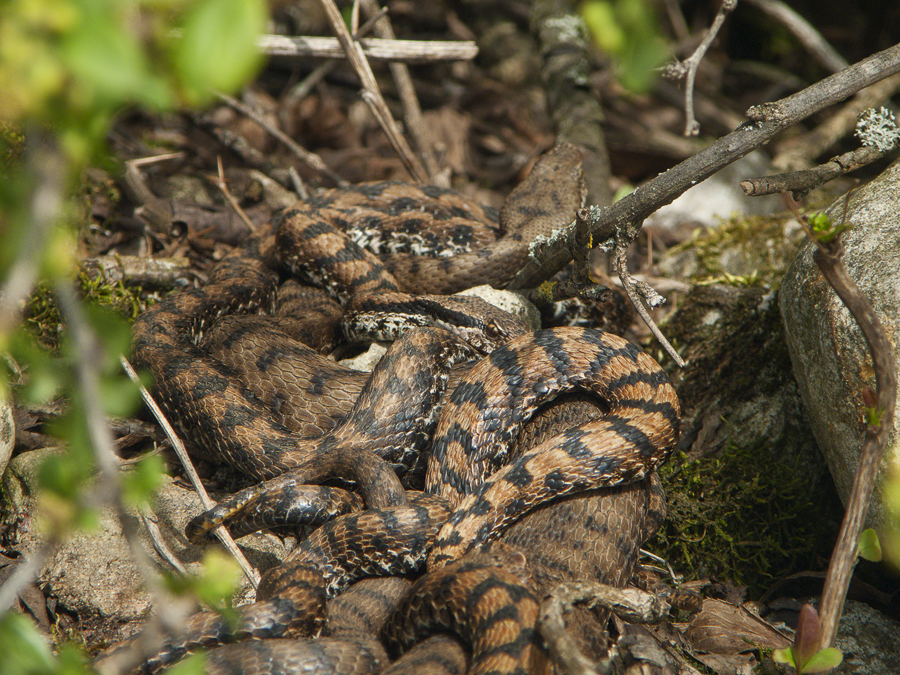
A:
<point x="195" y="664"/>
<point x="108" y="62"/>
<point x="784" y="656"/>
<point x="141" y="482"/>
<point x="217" y="50"/>
<point x="869" y="546"/>
<point x="824" y="660"/>
<point x="24" y="650"/>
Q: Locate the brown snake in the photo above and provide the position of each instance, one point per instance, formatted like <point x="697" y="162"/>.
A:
<point x="471" y="427"/>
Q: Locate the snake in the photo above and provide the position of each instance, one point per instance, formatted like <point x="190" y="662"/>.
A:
<point x="472" y="494"/>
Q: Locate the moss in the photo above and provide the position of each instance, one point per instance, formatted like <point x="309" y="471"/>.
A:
<point x="42" y="316"/>
<point x="742" y="517"/>
<point x="742" y="251"/>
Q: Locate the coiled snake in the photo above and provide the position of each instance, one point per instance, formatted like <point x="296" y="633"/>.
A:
<point x="380" y="425"/>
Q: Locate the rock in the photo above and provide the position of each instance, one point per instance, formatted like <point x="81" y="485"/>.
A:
<point x="829" y="355"/>
<point x="93" y="574"/>
<point x="869" y="640"/>
<point x="7" y="430"/>
<point x="508" y="301"/>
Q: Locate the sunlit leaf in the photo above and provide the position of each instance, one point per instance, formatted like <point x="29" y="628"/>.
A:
<point x="195" y="664"/>
<point x="824" y="660"/>
<point x="869" y="546"/>
<point x="141" y="482"/>
<point x="24" y="650"/>
<point x="217" y="50"/>
<point x="784" y="656"/>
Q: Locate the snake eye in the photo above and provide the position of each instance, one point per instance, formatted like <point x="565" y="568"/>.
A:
<point x="492" y="330"/>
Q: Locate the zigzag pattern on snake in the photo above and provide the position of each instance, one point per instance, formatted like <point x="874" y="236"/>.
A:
<point x="228" y="416"/>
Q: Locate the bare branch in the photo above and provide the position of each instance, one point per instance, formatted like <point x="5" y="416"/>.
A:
<point x="406" y="51"/>
<point x="688" y="67"/>
<point x="802" y="182"/>
<point x="311" y="159"/>
<point x="411" y="111"/>
<point x="371" y="94"/>
<point x="770" y="119"/>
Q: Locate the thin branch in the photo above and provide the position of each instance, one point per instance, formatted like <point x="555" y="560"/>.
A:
<point x="843" y="559"/>
<point x="769" y="120"/>
<point x="802" y="182"/>
<point x="631" y="604"/>
<point x="406" y="51"/>
<point x="412" y="113"/>
<point x="301" y="89"/>
<point x="634" y="289"/>
<point x="809" y="37"/>
<point x="222" y="184"/>
<point x="311" y="159"/>
<point x="371" y="94"/>
<point x="221" y="532"/>
<point x="688" y="67"/>
<point x="802" y="152"/>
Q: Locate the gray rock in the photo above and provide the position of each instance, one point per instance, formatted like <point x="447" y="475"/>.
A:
<point x="869" y="640"/>
<point x="829" y="355"/>
<point x="93" y="573"/>
<point x="7" y="431"/>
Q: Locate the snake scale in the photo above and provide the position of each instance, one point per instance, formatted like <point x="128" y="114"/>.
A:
<point x="459" y="385"/>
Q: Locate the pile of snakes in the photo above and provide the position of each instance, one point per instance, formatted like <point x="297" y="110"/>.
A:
<point x="449" y="490"/>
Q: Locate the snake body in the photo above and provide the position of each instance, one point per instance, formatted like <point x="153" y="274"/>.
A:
<point x="370" y="427"/>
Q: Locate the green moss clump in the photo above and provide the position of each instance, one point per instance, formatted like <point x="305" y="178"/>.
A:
<point x="744" y="517"/>
<point x="42" y="316"/>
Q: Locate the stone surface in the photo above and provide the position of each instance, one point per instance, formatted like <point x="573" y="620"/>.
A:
<point x="7" y="431"/>
<point x="869" y="640"/>
<point x="93" y="574"/>
<point x="829" y="355"/>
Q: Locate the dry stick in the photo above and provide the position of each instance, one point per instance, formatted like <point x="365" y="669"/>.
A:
<point x="301" y="89"/>
<point x="800" y="183"/>
<point x="222" y="184"/>
<point x="406" y="51"/>
<point x="799" y="154"/>
<point x="809" y="37"/>
<point x="843" y="558"/>
<point x="412" y="113"/>
<point x="371" y="94"/>
<point x="688" y="67"/>
<point x="178" y="446"/>
<point x="630" y="604"/>
<point x="613" y="221"/>
<point x="311" y="159"/>
<point x="107" y="490"/>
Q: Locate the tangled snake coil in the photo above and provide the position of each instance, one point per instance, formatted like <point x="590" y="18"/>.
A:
<point x="399" y="419"/>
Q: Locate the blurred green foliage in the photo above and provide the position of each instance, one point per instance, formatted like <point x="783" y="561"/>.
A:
<point x="627" y="31"/>
<point x="67" y="68"/>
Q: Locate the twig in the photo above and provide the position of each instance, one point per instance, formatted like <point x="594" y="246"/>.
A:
<point x="371" y="94"/>
<point x="301" y="89"/>
<point x="221" y="532"/>
<point x="688" y="68"/>
<point x="406" y="51"/>
<point x="769" y="120"/>
<point x="631" y="604"/>
<point x="635" y="288"/>
<point x="809" y="37"/>
<point x="802" y="152"/>
<point x="412" y="113"/>
<point x="311" y="159"/>
<point x="801" y="182"/>
<point x="843" y="559"/>
<point x="222" y="184"/>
